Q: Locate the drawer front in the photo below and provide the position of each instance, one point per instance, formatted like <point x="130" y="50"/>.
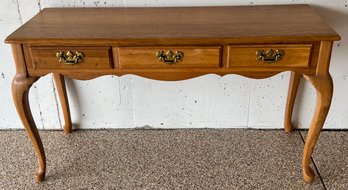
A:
<point x="269" y="55"/>
<point x="171" y="57"/>
<point x="77" y="58"/>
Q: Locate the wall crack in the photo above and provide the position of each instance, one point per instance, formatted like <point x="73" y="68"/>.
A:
<point x="39" y="107"/>
<point x="57" y="106"/>
<point x="19" y="12"/>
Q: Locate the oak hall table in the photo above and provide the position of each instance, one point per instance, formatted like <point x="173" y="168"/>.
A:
<point x="174" y="44"/>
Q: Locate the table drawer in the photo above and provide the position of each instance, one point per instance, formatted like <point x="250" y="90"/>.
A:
<point x="169" y="57"/>
<point x="269" y="55"/>
<point x="71" y="57"/>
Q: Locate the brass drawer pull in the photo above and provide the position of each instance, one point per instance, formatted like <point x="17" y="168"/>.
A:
<point x="69" y="58"/>
<point x="269" y="56"/>
<point x="170" y="57"/>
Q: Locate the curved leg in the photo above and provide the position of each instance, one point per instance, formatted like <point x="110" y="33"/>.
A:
<point x="295" y="79"/>
<point x="63" y="98"/>
<point x="324" y="88"/>
<point x="322" y="82"/>
<point x="20" y="90"/>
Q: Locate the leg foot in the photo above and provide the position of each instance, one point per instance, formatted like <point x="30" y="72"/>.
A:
<point x="20" y="90"/>
<point x="288" y="127"/>
<point x="324" y="88"/>
<point x="308" y="174"/>
<point x="40" y="174"/>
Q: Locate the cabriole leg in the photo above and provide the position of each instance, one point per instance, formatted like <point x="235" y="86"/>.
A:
<point x="323" y="85"/>
<point x="324" y="88"/>
<point x="20" y="91"/>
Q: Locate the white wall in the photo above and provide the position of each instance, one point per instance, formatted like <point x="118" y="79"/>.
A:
<point x="208" y="101"/>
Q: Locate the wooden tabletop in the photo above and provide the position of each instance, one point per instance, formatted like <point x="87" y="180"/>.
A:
<point x="185" y="24"/>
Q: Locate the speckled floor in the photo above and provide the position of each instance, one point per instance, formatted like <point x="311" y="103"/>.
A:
<point x="173" y="159"/>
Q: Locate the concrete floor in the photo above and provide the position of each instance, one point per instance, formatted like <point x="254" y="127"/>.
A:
<point x="173" y="159"/>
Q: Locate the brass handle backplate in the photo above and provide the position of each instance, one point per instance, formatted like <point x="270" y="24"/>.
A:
<point x="170" y="57"/>
<point x="269" y="56"/>
<point x="69" y="58"/>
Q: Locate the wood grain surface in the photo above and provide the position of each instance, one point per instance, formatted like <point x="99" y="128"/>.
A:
<point x="218" y="40"/>
<point x="124" y="26"/>
<point x="145" y="57"/>
<point x="294" y="56"/>
<point x="94" y="58"/>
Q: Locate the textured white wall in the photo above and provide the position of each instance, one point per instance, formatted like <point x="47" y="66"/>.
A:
<point x="208" y="101"/>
